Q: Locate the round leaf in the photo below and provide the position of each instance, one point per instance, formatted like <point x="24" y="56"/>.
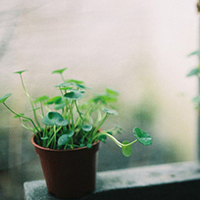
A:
<point x="40" y="99"/>
<point x="75" y="81"/>
<point x="111" y="92"/>
<point x="20" y="72"/>
<point x="3" y="98"/>
<point x="73" y="95"/>
<point x="87" y="128"/>
<point x="52" y="118"/>
<point x="109" y="111"/>
<point x="127" y="149"/>
<point x="59" y="71"/>
<point x="63" y="139"/>
<point x="193" y="72"/>
<point x="65" y="86"/>
<point x="54" y="100"/>
<point x="143" y="137"/>
<point x="89" y="145"/>
<point x="61" y="122"/>
<point x="70" y="133"/>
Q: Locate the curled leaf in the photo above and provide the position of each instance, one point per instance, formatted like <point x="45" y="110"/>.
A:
<point x="54" y="118"/>
<point x="42" y="98"/>
<point x="20" y="72"/>
<point x="74" y="95"/>
<point x="87" y="128"/>
<point x="110" y="111"/>
<point x="127" y="149"/>
<point x="3" y="98"/>
<point x="62" y="140"/>
<point x="59" y="71"/>
<point x="193" y="72"/>
<point x="143" y="137"/>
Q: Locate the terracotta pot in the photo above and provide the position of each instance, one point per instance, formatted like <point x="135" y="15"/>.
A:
<point x="68" y="173"/>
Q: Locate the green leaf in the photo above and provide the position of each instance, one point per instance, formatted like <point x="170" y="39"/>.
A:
<point x="54" y="118"/>
<point x="102" y="138"/>
<point x="87" y="128"/>
<point x="59" y="71"/>
<point x="89" y="145"/>
<point x="143" y="137"/>
<point x="3" y="98"/>
<point x="59" y="104"/>
<point x="65" y="85"/>
<point x="70" y="133"/>
<point x="75" y="81"/>
<point x="194" y="53"/>
<point x="42" y="98"/>
<point x="20" y="72"/>
<point x="127" y="149"/>
<point x="110" y="111"/>
<point x="19" y="115"/>
<point x="44" y="138"/>
<point x="193" y="72"/>
<point x="111" y="92"/>
<point x="61" y="122"/>
<point x="54" y="100"/>
<point x="196" y="99"/>
<point x="74" y="95"/>
<point x="63" y="139"/>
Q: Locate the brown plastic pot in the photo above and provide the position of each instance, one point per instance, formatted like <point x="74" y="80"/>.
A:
<point x="68" y="173"/>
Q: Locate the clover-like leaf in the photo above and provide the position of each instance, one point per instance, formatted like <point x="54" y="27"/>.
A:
<point x="54" y="99"/>
<point x="87" y="128"/>
<point x="42" y="98"/>
<point x="143" y="137"/>
<point x="102" y="138"/>
<point x="70" y="133"/>
<point x="65" y="85"/>
<point x="44" y="138"/>
<point x="20" y="72"/>
<point x="61" y="122"/>
<point x="194" y="53"/>
<point x="3" y="98"/>
<point x="59" y="71"/>
<point x="196" y="99"/>
<point x="59" y="104"/>
<point x="111" y="92"/>
<point x="63" y="139"/>
<point x="110" y="111"/>
<point x="89" y="145"/>
<point x="54" y="118"/>
<point x="75" y="81"/>
<point x="74" y="95"/>
<point x="193" y="72"/>
<point x="126" y="149"/>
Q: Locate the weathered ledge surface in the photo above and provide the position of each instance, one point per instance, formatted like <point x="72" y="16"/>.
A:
<point x="168" y="181"/>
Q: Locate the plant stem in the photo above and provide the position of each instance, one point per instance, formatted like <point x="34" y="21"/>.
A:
<point x="100" y="124"/>
<point x="115" y="140"/>
<point x="23" y="117"/>
<point x="54" y="135"/>
<point x="31" y="102"/>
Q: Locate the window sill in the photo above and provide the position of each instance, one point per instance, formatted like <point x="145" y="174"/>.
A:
<point x="168" y="181"/>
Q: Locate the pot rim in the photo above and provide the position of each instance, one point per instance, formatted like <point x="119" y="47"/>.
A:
<point x="57" y="150"/>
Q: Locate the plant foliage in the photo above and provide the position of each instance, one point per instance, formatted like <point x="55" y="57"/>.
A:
<point x="65" y="122"/>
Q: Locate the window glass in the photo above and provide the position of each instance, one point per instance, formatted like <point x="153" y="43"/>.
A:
<point x="138" y="48"/>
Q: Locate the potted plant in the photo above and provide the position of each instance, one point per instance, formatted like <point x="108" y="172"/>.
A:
<point x="67" y="132"/>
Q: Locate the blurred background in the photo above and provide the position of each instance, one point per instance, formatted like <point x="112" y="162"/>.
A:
<point x="138" y="48"/>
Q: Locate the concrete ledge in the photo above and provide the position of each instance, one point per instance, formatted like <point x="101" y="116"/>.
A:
<point x="169" y="181"/>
